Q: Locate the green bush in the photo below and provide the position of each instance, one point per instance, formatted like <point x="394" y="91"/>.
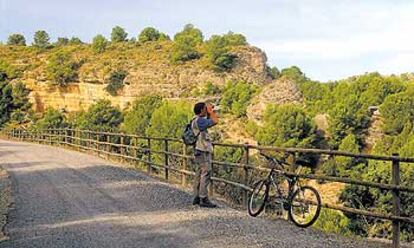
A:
<point x="52" y="118"/>
<point x="14" y="102"/>
<point x="333" y="221"/>
<point x="115" y="82"/>
<point x="185" y="44"/>
<point x="16" y="40"/>
<point x="236" y="97"/>
<point x="75" y="41"/>
<point x="348" y="117"/>
<point x="137" y="119"/>
<point x="294" y="73"/>
<point x="6" y="101"/>
<point x="219" y="55"/>
<point x="61" y="68"/>
<point x="397" y="110"/>
<point x="169" y="119"/>
<point x="118" y="34"/>
<point x="41" y="39"/>
<point x="211" y="89"/>
<point x="233" y="39"/>
<point x="289" y="126"/>
<point x="62" y="41"/>
<point x="100" y="116"/>
<point x="8" y="70"/>
<point x="345" y="164"/>
<point x="99" y="43"/>
<point x="149" y="34"/>
<point x="273" y="72"/>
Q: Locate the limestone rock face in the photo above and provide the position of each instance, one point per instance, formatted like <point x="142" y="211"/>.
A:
<point x="153" y="73"/>
<point x="280" y="91"/>
<point x="375" y="132"/>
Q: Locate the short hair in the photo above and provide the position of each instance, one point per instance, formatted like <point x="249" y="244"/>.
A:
<point x="198" y="107"/>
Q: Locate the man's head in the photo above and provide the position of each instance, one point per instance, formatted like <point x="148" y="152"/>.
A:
<point x="200" y="109"/>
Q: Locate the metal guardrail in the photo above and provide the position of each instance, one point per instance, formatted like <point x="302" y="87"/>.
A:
<point x="130" y="148"/>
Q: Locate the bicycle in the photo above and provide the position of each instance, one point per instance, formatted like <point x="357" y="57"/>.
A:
<point x="303" y="203"/>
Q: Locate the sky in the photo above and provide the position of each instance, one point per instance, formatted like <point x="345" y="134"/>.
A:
<point x="327" y="39"/>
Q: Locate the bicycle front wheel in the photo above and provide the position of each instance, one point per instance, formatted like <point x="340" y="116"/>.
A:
<point x="258" y="198"/>
<point x="305" y="206"/>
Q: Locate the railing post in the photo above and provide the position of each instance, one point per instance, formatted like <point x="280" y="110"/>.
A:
<point x="183" y="176"/>
<point x="246" y="175"/>
<point x="108" y="146"/>
<point x="149" y="156"/>
<point x="49" y="134"/>
<point x="122" y="141"/>
<point x="396" y="202"/>
<point x="166" y="159"/>
<point x="135" y="151"/>
<point x="79" y="141"/>
<point x="97" y="143"/>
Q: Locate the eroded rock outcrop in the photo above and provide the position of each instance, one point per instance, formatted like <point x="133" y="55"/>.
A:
<point x="280" y="91"/>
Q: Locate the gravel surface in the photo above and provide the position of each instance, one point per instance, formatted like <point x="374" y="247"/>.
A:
<point x="65" y="198"/>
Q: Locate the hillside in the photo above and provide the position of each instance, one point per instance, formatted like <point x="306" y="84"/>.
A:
<point x="148" y="67"/>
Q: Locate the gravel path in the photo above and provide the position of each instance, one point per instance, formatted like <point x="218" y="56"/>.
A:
<point x="68" y="199"/>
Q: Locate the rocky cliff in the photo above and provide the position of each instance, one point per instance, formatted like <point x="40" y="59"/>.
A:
<point x="149" y="71"/>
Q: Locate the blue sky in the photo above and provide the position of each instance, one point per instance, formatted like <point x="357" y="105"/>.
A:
<point x="328" y="40"/>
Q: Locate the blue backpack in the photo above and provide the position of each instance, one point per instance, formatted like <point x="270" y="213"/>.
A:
<point x="189" y="137"/>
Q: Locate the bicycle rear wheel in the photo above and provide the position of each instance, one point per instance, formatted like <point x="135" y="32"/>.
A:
<point x="258" y="198"/>
<point x="305" y="206"/>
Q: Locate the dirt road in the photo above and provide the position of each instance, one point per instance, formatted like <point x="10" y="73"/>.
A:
<point x="68" y="199"/>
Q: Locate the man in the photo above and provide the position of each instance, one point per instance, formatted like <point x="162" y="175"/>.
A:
<point x="204" y="119"/>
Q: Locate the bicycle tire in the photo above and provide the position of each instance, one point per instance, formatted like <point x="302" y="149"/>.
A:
<point x="318" y="207"/>
<point x="257" y="187"/>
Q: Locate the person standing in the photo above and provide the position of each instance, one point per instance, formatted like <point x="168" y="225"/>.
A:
<point x="205" y="118"/>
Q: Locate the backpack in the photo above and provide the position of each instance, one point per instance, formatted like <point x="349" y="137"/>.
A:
<point x="189" y="137"/>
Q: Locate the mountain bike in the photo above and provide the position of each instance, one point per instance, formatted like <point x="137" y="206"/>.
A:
<point x="302" y="203"/>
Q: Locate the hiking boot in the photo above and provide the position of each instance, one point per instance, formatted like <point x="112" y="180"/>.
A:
<point x="196" y="200"/>
<point x="206" y="203"/>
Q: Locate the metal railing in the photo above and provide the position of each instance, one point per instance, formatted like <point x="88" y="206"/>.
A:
<point x="156" y="155"/>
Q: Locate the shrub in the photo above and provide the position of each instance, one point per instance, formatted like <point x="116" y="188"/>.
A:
<point x="169" y="119"/>
<point x="218" y="55"/>
<point x="100" y="116"/>
<point x="185" y="44"/>
<point x="345" y="164"/>
<point x="211" y="89"/>
<point x="62" y="41"/>
<point x="233" y="39"/>
<point x="118" y="34"/>
<point x="273" y="72"/>
<point x="61" y="68"/>
<point x="6" y="101"/>
<point x="397" y="110"/>
<point x="137" y="119"/>
<point x="14" y="102"/>
<point x="99" y="43"/>
<point x="288" y="126"/>
<point x="52" y="118"/>
<point x="7" y="70"/>
<point x="332" y="221"/>
<point x="115" y="82"/>
<point x="149" y="34"/>
<point x="16" y="40"/>
<point x="41" y="39"/>
<point x="236" y="97"/>
<point x="75" y="41"/>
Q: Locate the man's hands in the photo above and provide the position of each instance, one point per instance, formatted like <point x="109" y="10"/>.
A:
<point x="210" y="108"/>
<point x="211" y="113"/>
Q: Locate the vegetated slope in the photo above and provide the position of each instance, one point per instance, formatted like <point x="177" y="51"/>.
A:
<point x="148" y="67"/>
